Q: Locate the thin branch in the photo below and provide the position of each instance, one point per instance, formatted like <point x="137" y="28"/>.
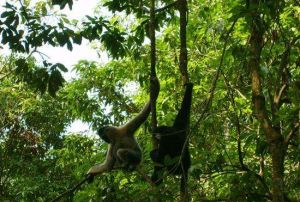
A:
<point x="153" y="71"/>
<point x="146" y="177"/>
<point x="24" y="10"/>
<point x="260" y="178"/>
<point x="78" y="185"/>
<point x="183" y="61"/>
<point x="291" y="134"/>
<point x="166" y="7"/>
<point x="261" y="165"/>
<point x="278" y="97"/>
<point x="213" y="88"/>
<point x="183" y="57"/>
<point x="243" y="167"/>
<point x="237" y="122"/>
<point x="294" y="41"/>
<point x="283" y="66"/>
<point x="283" y="73"/>
<point x="6" y="75"/>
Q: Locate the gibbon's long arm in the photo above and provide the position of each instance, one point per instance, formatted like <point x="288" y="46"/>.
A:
<point x="141" y="117"/>
<point x="106" y="166"/>
<point x="182" y="118"/>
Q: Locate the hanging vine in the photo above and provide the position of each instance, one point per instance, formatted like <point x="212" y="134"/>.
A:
<point x="182" y="6"/>
<point x="152" y="69"/>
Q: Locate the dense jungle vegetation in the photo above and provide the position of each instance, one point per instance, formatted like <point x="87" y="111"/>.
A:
<point x="243" y="58"/>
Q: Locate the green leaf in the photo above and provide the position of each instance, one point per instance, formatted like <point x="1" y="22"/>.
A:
<point x="63" y="3"/>
<point x="168" y="161"/>
<point x="7" y="13"/>
<point x="69" y="45"/>
<point x="61" y="67"/>
<point x="22" y="66"/>
<point x="9" y="20"/>
<point x="261" y="147"/>
<point x="5" y="37"/>
<point x="77" y="38"/>
<point x="55" y="82"/>
<point x="42" y="79"/>
<point x="62" y="38"/>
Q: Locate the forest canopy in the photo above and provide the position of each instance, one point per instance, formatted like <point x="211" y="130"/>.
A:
<point x="242" y="56"/>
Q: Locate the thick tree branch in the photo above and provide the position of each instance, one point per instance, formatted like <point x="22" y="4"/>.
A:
<point x="71" y="190"/>
<point x="273" y="134"/>
<point x="256" y="43"/>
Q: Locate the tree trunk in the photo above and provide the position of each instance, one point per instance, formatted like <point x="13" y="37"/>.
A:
<point x="277" y="154"/>
<point x="274" y="138"/>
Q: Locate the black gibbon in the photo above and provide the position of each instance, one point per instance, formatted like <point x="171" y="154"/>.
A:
<point x="172" y="144"/>
<point x="123" y="150"/>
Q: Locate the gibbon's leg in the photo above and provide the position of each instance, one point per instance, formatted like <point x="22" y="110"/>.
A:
<point x="98" y="168"/>
<point x="106" y="166"/>
<point x="129" y="158"/>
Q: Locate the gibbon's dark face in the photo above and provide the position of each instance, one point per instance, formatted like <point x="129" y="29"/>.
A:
<point x="103" y="133"/>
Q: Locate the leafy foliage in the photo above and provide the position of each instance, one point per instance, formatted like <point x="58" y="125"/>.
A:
<point x="231" y="158"/>
<point x="41" y="79"/>
<point x="63" y="3"/>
